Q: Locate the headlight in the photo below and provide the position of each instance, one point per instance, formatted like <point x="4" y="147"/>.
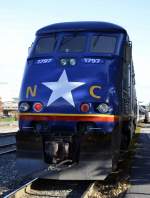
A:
<point x="24" y="106"/>
<point x="63" y="61"/>
<point x="103" y="108"/>
<point x="72" y="61"/>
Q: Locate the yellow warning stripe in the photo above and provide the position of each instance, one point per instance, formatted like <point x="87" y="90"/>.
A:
<point x="61" y="114"/>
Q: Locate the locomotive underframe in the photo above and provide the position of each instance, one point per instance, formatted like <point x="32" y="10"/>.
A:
<point x="68" y="156"/>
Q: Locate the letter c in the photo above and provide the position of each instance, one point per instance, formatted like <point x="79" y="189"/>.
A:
<point x="92" y="91"/>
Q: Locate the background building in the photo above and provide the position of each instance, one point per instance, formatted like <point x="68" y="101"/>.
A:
<point x="1" y="107"/>
<point x="10" y="108"/>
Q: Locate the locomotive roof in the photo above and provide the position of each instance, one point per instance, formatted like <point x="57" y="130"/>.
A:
<point x="81" y="26"/>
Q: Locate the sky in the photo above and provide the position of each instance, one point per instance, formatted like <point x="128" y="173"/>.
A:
<point x="19" y="20"/>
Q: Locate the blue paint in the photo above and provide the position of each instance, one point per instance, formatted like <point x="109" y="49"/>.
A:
<point x="100" y="69"/>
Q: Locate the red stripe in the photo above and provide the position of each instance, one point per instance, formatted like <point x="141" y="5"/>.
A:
<point x="70" y="118"/>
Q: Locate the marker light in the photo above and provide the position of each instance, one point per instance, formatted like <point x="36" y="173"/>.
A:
<point x="103" y="108"/>
<point x="85" y="107"/>
<point x="37" y="107"/>
<point x="24" y="106"/>
<point x="63" y="61"/>
<point x="72" y="61"/>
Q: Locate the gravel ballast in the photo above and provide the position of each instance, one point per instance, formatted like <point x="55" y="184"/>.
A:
<point x="9" y="177"/>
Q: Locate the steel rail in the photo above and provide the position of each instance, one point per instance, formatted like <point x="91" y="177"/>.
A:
<point x="8" y="134"/>
<point x="7" y="145"/>
<point x="89" y="188"/>
<point x="20" y="190"/>
<point x="7" y="148"/>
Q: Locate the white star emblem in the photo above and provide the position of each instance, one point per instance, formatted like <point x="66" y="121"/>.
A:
<point x="62" y="88"/>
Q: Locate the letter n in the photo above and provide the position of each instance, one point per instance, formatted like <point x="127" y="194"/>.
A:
<point x="31" y="91"/>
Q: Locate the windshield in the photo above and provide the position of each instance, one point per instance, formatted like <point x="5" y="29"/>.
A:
<point x="75" y="42"/>
<point x="103" y="44"/>
<point x="45" y="45"/>
<point x="72" y="43"/>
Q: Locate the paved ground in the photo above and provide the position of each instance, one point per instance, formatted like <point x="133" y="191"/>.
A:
<point x="140" y="172"/>
<point x="7" y="127"/>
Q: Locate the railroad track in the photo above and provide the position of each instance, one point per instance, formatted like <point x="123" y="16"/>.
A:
<point x="68" y="189"/>
<point x="51" y="188"/>
<point x="19" y="191"/>
<point x="7" y="143"/>
<point x="7" y="148"/>
<point x="7" y="134"/>
<point x="114" y="186"/>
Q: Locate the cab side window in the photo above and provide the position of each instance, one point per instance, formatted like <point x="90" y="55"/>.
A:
<point x="127" y="68"/>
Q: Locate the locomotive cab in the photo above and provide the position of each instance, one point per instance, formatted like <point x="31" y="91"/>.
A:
<point x="77" y="101"/>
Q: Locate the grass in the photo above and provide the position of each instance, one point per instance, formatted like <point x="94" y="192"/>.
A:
<point x="7" y="119"/>
<point x="138" y="129"/>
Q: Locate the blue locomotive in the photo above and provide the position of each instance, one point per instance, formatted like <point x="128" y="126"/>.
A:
<point x="77" y="108"/>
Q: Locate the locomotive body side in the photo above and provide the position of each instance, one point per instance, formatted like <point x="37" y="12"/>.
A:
<point x="77" y="101"/>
